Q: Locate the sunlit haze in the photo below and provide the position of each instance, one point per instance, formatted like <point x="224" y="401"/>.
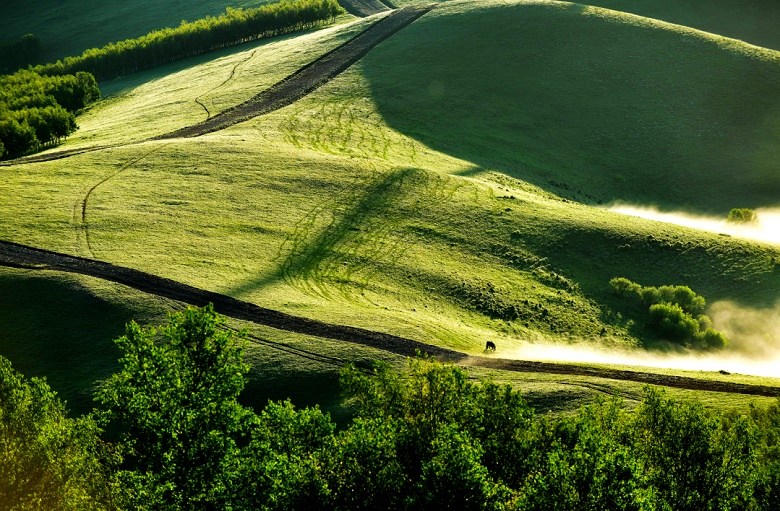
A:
<point x="767" y="229"/>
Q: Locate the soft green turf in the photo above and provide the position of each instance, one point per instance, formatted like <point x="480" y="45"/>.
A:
<point x="350" y="207"/>
<point x="69" y="28"/>
<point x="752" y="21"/>
<point x="594" y="105"/>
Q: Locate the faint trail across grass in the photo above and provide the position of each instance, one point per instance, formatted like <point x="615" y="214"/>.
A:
<point x="19" y="256"/>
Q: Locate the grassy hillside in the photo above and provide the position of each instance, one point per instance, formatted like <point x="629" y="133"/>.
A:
<point x="428" y="190"/>
<point x="752" y="21"/>
<point x="593" y="105"/>
<point x="69" y="28"/>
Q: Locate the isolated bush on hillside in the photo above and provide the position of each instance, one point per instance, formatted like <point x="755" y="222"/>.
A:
<point x="675" y="313"/>
<point x="742" y="216"/>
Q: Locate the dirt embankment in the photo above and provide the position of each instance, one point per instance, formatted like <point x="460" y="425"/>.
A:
<point x="20" y="256"/>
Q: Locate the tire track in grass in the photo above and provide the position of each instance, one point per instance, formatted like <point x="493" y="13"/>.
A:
<point x="285" y="92"/>
<point x="83" y="228"/>
<point x="308" y="78"/>
<point x="19" y="256"/>
<point x="230" y="77"/>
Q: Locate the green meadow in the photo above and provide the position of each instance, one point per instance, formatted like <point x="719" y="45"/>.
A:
<point x="450" y="187"/>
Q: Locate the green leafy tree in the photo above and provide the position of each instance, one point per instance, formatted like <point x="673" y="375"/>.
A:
<point x="175" y="400"/>
<point x="47" y="460"/>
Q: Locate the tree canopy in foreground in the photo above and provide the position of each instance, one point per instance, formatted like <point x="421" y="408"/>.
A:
<point x="428" y="437"/>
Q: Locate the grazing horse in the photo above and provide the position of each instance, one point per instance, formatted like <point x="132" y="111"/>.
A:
<point x="490" y="346"/>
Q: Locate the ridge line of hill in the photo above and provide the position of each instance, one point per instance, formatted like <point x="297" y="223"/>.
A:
<point x="20" y="256"/>
<point x="285" y="92"/>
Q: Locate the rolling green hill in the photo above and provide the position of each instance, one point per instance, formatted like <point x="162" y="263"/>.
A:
<point x="440" y="189"/>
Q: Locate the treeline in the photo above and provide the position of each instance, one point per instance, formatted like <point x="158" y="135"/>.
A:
<point x="676" y="313"/>
<point x="427" y="438"/>
<point x="170" y="44"/>
<point x="36" y="111"/>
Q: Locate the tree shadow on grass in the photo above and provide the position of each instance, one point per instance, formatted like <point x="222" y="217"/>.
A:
<point x="312" y="256"/>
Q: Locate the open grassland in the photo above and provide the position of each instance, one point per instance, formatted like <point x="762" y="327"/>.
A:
<point x="593" y="105"/>
<point x="427" y="191"/>
<point x="68" y="28"/>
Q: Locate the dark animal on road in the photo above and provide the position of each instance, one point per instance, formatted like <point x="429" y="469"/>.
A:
<point x="490" y="346"/>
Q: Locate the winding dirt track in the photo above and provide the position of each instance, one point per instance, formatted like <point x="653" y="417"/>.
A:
<point x="306" y="79"/>
<point x="20" y="256"/>
<point x="302" y="82"/>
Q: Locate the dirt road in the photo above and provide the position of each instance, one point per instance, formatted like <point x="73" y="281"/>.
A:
<point x="20" y="256"/>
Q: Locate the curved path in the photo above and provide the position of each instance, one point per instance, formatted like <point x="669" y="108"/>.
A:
<point x="292" y="88"/>
<point x="308" y="78"/>
<point x="20" y="256"/>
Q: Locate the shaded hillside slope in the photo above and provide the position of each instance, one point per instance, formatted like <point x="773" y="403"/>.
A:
<point x="68" y="28"/>
<point x="592" y="104"/>
<point x="753" y="21"/>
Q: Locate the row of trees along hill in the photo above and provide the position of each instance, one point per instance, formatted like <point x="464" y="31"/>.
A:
<point x="38" y="105"/>
<point x="37" y="111"/>
<point x="428" y="438"/>
<point x="170" y="44"/>
<point x="676" y="313"/>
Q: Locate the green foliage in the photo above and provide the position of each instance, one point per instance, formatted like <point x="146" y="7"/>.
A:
<point x="47" y="460"/>
<point x="189" y="39"/>
<point x="742" y="216"/>
<point x="672" y="322"/>
<point x="36" y="110"/>
<point x="623" y="287"/>
<point x="175" y="400"/>
<point x="676" y="313"/>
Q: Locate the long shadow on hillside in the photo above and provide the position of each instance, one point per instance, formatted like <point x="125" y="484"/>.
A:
<point x="592" y="109"/>
<point x="310" y="255"/>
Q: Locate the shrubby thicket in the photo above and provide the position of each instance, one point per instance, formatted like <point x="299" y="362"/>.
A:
<point x="189" y="39"/>
<point x="676" y="313"/>
<point x="426" y="438"/>
<point x="37" y="111"/>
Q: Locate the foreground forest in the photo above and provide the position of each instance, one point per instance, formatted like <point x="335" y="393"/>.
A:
<point x="169" y="433"/>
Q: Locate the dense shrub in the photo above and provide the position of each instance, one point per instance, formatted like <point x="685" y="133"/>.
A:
<point x="36" y="111"/>
<point x="427" y="438"/>
<point x="675" y="313"/>
<point x="20" y="53"/>
<point x="742" y="216"/>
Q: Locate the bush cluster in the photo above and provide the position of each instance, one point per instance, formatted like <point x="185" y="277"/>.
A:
<point x="189" y="39"/>
<point x="676" y="313"/>
<point x="425" y="438"/>
<point x="742" y="216"/>
<point x="36" y="111"/>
